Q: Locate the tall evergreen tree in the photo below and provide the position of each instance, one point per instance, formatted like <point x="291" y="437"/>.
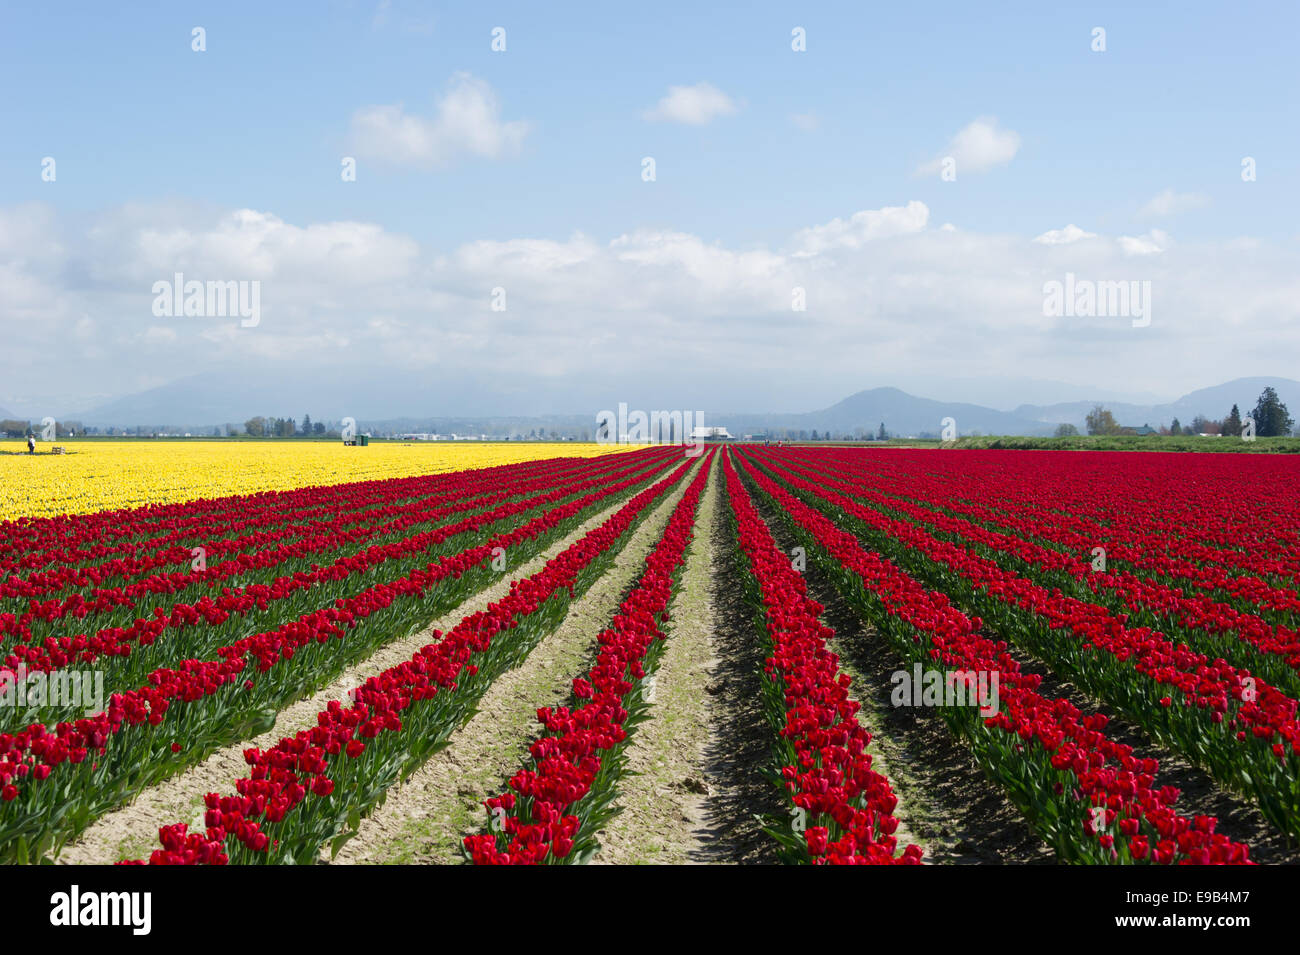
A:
<point x="1272" y="420"/>
<point x="1232" y="423"/>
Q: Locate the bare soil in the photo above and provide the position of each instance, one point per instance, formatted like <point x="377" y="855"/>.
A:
<point x="131" y="832"/>
<point x="424" y="820"/>
<point x="960" y="816"/>
<point x="946" y="803"/>
<point x="664" y="799"/>
<point x="699" y="791"/>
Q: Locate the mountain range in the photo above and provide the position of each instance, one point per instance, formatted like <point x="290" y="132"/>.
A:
<point x="199" y="403"/>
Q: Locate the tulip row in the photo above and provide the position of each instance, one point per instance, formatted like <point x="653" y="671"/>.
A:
<point x="291" y="543"/>
<point x="841" y="811"/>
<point x="240" y="611"/>
<point x="1061" y="571"/>
<point x="312" y="789"/>
<point x="1154" y="553"/>
<point x="1165" y="514"/>
<point x="1088" y="795"/>
<point x="87" y="549"/>
<point x="1237" y="726"/>
<point x="127" y="534"/>
<point x="52" y="784"/>
<point x="557" y="806"/>
<point x="222" y="534"/>
<point x="1216" y="628"/>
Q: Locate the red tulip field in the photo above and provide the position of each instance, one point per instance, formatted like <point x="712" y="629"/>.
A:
<point x="801" y="655"/>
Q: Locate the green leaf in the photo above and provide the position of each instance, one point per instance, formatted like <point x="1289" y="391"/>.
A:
<point x="339" y="842"/>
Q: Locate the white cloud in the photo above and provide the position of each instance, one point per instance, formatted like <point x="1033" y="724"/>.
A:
<point x="466" y="122"/>
<point x="159" y="335"/>
<point x="1151" y="243"/>
<point x="422" y="23"/>
<point x="808" y="122"/>
<point x="247" y="244"/>
<point x="695" y="105"/>
<point x="977" y="147"/>
<point x="645" y="309"/>
<point x="1170" y="203"/>
<point x="1071" y="233"/>
<point x="862" y="227"/>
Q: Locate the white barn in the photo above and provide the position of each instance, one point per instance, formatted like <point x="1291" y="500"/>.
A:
<point x="703" y="433"/>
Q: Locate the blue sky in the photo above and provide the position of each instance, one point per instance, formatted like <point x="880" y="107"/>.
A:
<point x="142" y="126"/>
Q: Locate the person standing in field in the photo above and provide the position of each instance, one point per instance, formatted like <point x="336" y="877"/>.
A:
<point x="31" y="444"/>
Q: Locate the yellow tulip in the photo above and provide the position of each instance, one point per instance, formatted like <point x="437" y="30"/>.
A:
<point x="98" y="475"/>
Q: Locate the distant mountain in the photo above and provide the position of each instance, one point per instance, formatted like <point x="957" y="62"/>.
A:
<point x="1214" y="402"/>
<point x="201" y="400"/>
<point x="214" y="398"/>
<point x="901" y="413"/>
<point x="327" y="394"/>
<point x="199" y="403"/>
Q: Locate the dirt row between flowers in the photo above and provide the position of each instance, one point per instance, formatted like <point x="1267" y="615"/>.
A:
<point x="695" y="784"/>
<point x="946" y="804"/>
<point x="961" y="817"/>
<point x="131" y="832"/>
<point x="425" y="818"/>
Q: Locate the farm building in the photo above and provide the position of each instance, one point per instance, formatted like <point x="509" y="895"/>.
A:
<point x="703" y="433"/>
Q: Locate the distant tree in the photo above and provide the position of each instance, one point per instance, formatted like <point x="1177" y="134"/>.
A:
<point x="1232" y="424"/>
<point x="318" y="427"/>
<point x="1272" y="420"/>
<point x="814" y="435"/>
<point x="256" y="427"/>
<point x="1175" y="429"/>
<point x="1066" y="430"/>
<point x="1100" y="421"/>
<point x="306" y="425"/>
<point x="883" y="434"/>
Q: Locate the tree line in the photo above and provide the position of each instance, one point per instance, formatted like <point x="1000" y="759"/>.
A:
<point x="16" y="428"/>
<point x="1271" y="417"/>
<point x="261" y="427"/>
